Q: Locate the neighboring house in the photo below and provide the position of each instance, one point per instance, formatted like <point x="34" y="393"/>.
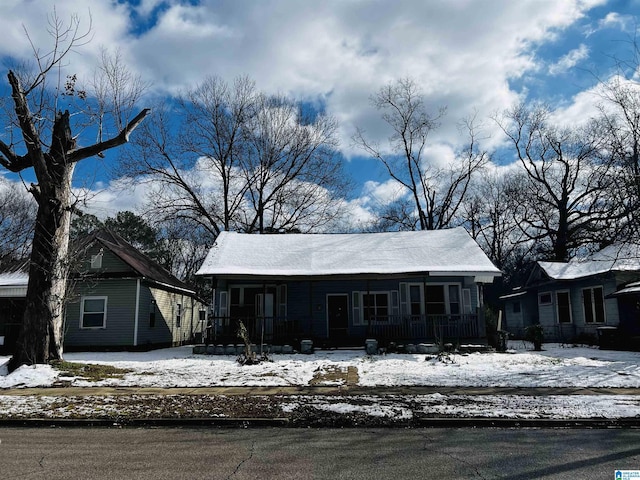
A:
<point x="120" y="298"/>
<point x="13" y="289"/>
<point x="571" y="300"/>
<point x="340" y="289"/>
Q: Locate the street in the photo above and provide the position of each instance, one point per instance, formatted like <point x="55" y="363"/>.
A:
<point x="285" y="453"/>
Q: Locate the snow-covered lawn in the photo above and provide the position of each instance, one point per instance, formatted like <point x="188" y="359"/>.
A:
<point x="556" y="366"/>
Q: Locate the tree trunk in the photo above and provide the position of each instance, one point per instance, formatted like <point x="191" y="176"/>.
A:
<point x="41" y="337"/>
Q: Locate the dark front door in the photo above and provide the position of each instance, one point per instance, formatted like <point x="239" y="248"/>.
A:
<point x="337" y="316"/>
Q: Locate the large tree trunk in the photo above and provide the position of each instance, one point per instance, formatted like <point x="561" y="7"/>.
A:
<point x="41" y="337"/>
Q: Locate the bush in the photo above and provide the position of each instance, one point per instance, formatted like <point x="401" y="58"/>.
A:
<point x="535" y="335"/>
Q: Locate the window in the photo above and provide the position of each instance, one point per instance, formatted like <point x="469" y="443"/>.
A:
<point x="96" y="261"/>
<point x="152" y="314"/>
<point x="93" y="312"/>
<point x="563" y="300"/>
<point x="415" y="300"/>
<point x="443" y="299"/>
<point x="544" y="298"/>
<point x="178" y="314"/>
<point x="376" y="306"/>
<point x="593" y="303"/>
<point x="435" y="301"/>
<point x="516" y="307"/>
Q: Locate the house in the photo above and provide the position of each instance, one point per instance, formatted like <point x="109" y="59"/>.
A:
<point x="340" y="289"/>
<point x="574" y="300"/>
<point x="118" y="298"/>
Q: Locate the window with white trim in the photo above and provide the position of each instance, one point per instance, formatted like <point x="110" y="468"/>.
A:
<point x="544" y="298"/>
<point x="593" y="304"/>
<point x="178" y="312"/>
<point x="93" y="312"/>
<point x="563" y="302"/>
<point x="96" y="261"/>
<point x="442" y="299"/>
<point x="383" y="306"/>
<point x="375" y="306"/>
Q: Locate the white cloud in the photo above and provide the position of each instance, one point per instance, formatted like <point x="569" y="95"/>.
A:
<point x="464" y="54"/>
<point x="569" y="60"/>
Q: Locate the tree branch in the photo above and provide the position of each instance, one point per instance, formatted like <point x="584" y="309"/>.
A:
<point x="122" y="138"/>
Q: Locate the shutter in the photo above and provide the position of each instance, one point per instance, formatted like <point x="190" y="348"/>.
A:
<point x="394" y="303"/>
<point x="466" y="300"/>
<point x="357" y="316"/>
<point x="404" y="300"/>
<point x="224" y="302"/>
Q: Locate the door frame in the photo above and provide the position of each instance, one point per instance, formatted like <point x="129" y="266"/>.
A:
<point x="346" y="295"/>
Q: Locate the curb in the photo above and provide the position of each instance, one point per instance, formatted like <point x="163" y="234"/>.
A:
<point x="145" y="422"/>
<point x="249" y="422"/>
<point x="483" y="422"/>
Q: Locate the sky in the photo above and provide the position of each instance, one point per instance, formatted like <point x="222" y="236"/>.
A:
<point x="472" y="57"/>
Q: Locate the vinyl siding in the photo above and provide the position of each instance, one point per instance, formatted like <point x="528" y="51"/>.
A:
<point x="118" y="331"/>
<point x="120" y="323"/>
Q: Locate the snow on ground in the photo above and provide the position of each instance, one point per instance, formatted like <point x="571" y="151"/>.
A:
<point x="556" y="366"/>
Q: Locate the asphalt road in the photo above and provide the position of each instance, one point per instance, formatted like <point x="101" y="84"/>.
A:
<point x="287" y="453"/>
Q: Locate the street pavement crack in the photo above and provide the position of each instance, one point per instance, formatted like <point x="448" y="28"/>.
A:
<point x="244" y="460"/>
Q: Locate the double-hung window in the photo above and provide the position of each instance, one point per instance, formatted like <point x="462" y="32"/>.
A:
<point x="372" y="307"/>
<point x="376" y="306"/>
<point x="93" y="312"/>
<point x="443" y="299"/>
<point x="593" y="303"/>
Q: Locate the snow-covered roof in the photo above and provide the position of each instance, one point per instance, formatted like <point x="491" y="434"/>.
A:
<point x="438" y="252"/>
<point x="14" y="279"/>
<point x="618" y="258"/>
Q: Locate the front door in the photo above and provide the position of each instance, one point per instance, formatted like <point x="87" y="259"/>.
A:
<point x="337" y="316"/>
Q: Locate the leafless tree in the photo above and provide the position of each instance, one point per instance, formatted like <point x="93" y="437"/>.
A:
<point x="436" y="192"/>
<point x="490" y="217"/>
<point x="568" y="202"/>
<point x="17" y="217"/>
<point x="40" y="137"/>
<point x="230" y="158"/>
<point x="290" y="168"/>
<point x="619" y="125"/>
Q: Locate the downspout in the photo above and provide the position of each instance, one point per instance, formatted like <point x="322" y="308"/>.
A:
<point x="137" y="314"/>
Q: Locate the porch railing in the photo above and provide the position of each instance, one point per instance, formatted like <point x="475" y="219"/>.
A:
<point x="416" y="328"/>
<point x="260" y="330"/>
<point x="428" y="328"/>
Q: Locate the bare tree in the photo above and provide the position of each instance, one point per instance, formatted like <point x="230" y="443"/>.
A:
<point x="291" y="168"/>
<point x="40" y="137"/>
<point x="229" y="158"/>
<point x="569" y="201"/>
<point x="490" y="217"/>
<point x="619" y="125"/>
<point x="17" y="217"/>
<point x="436" y="193"/>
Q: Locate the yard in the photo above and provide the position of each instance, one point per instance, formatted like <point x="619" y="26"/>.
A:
<point x="556" y="366"/>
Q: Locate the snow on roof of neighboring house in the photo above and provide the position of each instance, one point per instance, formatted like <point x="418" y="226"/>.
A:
<point x="14" y="279"/>
<point x="438" y="252"/>
<point x="613" y="258"/>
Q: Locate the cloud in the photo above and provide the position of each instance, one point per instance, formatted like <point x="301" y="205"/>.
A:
<point x="625" y="23"/>
<point x="569" y="60"/>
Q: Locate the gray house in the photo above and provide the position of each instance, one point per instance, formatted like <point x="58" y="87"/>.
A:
<point x="339" y="289"/>
<point x="119" y="298"/>
<point x="574" y="300"/>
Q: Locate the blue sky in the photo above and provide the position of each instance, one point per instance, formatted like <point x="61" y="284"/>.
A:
<point x="480" y="55"/>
